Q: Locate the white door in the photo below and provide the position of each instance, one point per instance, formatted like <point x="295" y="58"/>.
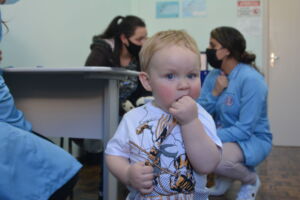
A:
<point x="284" y="71"/>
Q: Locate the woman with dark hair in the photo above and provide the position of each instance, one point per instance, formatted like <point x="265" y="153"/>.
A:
<point x="119" y="46"/>
<point x="235" y="94"/>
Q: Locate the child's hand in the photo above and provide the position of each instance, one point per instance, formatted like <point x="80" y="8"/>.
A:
<point x="140" y="177"/>
<point x="185" y="110"/>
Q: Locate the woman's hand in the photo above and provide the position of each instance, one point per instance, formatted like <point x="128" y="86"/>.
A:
<point x="141" y="177"/>
<point x="221" y="84"/>
<point x="184" y="110"/>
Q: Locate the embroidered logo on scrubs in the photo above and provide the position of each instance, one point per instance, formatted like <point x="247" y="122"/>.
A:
<point x="229" y="100"/>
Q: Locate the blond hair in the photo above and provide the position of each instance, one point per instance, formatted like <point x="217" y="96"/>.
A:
<point x="164" y="39"/>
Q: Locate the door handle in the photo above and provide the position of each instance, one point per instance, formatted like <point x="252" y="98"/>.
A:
<point x="273" y="59"/>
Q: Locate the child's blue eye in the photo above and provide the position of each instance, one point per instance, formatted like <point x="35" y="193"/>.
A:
<point x="191" y="76"/>
<point x="170" y="76"/>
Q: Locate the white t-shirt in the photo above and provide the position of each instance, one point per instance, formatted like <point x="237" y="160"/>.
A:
<point x="147" y="133"/>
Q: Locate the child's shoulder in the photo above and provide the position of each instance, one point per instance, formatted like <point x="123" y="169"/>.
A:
<point x="144" y="112"/>
<point x="201" y="109"/>
<point x="202" y="113"/>
<point x="137" y="111"/>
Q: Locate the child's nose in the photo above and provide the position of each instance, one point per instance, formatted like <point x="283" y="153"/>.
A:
<point x="183" y="84"/>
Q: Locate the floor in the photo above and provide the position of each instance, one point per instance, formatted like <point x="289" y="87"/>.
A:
<point x="279" y="174"/>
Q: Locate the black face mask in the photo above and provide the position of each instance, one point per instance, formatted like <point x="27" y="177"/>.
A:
<point x="212" y="58"/>
<point x="134" y="49"/>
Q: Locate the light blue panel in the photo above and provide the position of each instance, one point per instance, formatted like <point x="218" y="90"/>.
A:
<point x="193" y="8"/>
<point x="219" y="13"/>
<point x="167" y="9"/>
<point x="55" y="32"/>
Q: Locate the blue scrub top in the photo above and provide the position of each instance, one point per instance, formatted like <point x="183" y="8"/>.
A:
<point x="34" y="167"/>
<point x="8" y="111"/>
<point x="240" y="112"/>
<point x="31" y="168"/>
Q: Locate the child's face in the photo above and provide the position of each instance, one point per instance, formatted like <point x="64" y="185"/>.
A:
<point x="173" y="73"/>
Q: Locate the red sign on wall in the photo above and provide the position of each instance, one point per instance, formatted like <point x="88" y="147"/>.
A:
<point x="248" y="3"/>
<point x="247" y="8"/>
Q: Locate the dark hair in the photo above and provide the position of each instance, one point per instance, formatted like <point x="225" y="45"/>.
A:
<point x="233" y="40"/>
<point x="122" y="25"/>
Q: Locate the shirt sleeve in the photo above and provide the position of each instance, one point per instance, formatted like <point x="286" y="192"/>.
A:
<point x="118" y="145"/>
<point x="253" y="99"/>
<point x="209" y="126"/>
<point x="8" y="111"/>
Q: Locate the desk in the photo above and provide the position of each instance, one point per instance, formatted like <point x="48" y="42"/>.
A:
<point x="81" y="102"/>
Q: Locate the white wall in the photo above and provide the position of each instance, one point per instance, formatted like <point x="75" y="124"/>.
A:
<point x="219" y="13"/>
<point x="59" y="32"/>
<point x="55" y="32"/>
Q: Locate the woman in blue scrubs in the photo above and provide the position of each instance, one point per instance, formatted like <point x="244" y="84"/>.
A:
<point x="31" y="168"/>
<point x="235" y="94"/>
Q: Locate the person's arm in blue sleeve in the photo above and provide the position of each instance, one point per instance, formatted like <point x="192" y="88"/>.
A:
<point x="253" y="99"/>
<point x="206" y="99"/>
<point x="7" y="107"/>
<point x="8" y="111"/>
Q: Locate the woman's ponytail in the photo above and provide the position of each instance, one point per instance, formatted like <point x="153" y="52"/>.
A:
<point x="113" y="28"/>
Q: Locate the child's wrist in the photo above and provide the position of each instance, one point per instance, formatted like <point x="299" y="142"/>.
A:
<point x="127" y="178"/>
<point x="189" y="122"/>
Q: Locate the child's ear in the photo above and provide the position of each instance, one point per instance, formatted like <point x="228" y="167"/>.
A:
<point x="144" y="78"/>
